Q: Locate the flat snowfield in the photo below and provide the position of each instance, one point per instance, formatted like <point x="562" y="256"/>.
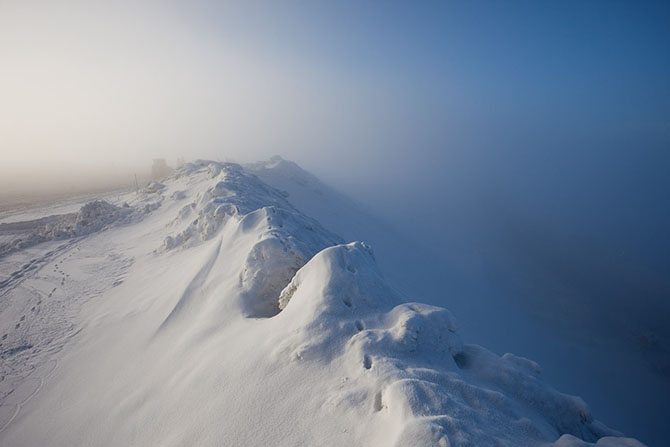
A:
<point x="207" y="310"/>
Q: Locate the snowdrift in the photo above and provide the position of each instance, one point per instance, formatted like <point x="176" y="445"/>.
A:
<point x="241" y="321"/>
<point x="92" y="217"/>
<point x="406" y="362"/>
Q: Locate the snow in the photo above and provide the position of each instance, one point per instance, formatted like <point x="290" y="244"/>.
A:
<point x="211" y="311"/>
<point x="90" y="218"/>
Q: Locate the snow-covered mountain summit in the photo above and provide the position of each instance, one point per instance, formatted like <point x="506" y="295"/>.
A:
<point x="220" y="314"/>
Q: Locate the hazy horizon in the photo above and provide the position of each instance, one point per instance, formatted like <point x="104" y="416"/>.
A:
<point x="526" y="143"/>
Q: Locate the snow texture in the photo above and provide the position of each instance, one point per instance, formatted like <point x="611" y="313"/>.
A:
<point x="210" y="311"/>
<point x="92" y="217"/>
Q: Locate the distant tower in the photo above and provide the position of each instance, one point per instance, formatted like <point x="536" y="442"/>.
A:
<point x="160" y="169"/>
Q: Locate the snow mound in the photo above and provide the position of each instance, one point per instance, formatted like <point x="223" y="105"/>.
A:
<point x="284" y="238"/>
<point x="92" y="217"/>
<point x="283" y="246"/>
<point x="406" y="363"/>
<point x="608" y="441"/>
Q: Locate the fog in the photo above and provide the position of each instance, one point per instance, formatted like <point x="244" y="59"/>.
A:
<point x="526" y="145"/>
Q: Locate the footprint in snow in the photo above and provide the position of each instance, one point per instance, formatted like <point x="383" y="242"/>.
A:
<point x="367" y="362"/>
<point x="378" y="404"/>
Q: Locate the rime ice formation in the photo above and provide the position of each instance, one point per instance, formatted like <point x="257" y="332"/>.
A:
<point x="208" y="310"/>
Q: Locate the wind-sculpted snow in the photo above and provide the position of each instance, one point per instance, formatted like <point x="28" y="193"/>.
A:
<point x="406" y="362"/>
<point x="234" y="192"/>
<point x="92" y="217"/>
<point x="285" y="238"/>
<point x="241" y="321"/>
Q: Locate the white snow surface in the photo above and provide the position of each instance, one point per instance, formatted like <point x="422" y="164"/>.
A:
<point x="208" y="310"/>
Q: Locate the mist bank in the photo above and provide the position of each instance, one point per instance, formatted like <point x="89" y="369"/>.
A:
<point x="42" y="184"/>
<point x="570" y="239"/>
<point x="574" y="236"/>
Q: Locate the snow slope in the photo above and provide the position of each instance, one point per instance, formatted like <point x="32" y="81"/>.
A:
<point x="396" y="250"/>
<point x="470" y="273"/>
<point x="216" y="313"/>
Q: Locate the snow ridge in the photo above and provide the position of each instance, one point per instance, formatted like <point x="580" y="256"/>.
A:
<point x="285" y="238"/>
<point x="405" y="360"/>
<point x="242" y="321"/>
